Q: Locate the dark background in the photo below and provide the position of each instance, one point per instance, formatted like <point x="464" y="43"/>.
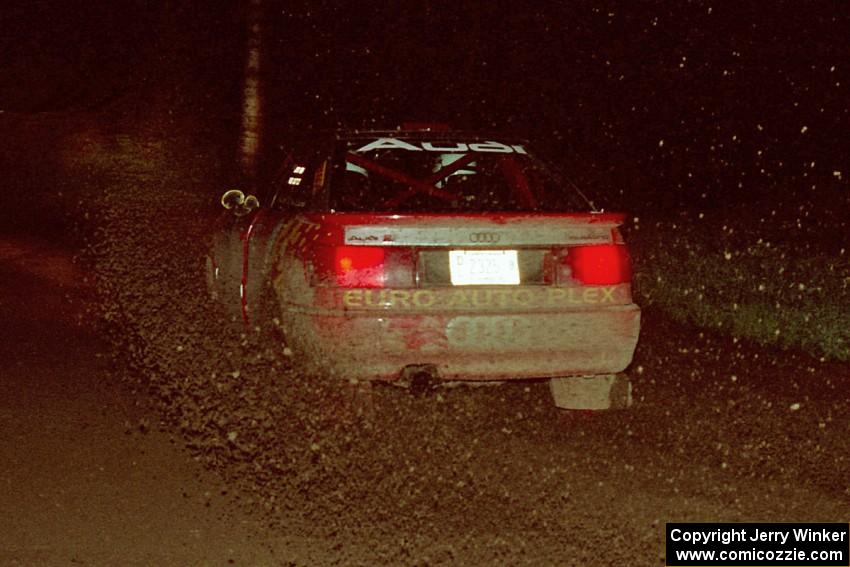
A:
<point x="121" y="120"/>
<point x="657" y="106"/>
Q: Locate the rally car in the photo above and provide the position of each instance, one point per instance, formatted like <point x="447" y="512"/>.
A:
<point x="421" y="256"/>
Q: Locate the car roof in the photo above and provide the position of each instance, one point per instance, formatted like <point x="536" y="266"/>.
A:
<point x="425" y="134"/>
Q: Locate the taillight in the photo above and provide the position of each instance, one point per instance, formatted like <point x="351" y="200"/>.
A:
<point x="603" y="264"/>
<point x="359" y="266"/>
<point x="363" y="266"/>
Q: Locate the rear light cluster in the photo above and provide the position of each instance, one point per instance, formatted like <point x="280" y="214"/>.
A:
<point x="395" y="267"/>
<point x="597" y="264"/>
<point x="364" y="266"/>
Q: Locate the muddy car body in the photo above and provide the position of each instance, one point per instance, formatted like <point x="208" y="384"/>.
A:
<point x="446" y="256"/>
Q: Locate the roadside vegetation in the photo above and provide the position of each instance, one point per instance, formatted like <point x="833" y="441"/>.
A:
<point x="781" y="283"/>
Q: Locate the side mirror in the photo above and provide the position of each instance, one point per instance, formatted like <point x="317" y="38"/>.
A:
<point x="241" y="204"/>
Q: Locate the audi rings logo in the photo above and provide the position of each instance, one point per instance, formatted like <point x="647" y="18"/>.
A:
<point x="484" y="237"/>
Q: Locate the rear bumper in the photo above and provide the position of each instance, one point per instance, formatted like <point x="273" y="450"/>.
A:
<point x="475" y="345"/>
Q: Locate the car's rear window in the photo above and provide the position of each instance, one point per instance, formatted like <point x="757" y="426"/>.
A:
<point x="444" y="175"/>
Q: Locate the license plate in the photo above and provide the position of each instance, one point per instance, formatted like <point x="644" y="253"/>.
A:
<point x="484" y="333"/>
<point x="484" y="267"/>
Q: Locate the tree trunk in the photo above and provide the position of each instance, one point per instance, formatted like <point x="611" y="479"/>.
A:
<point x="252" y="109"/>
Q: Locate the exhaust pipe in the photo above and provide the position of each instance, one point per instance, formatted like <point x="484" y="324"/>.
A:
<point x="420" y="378"/>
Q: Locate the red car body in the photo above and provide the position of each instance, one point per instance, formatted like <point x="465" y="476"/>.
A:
<point x="397" y="255"/>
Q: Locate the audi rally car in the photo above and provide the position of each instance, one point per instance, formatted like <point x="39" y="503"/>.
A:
<point x="429" y="256"/>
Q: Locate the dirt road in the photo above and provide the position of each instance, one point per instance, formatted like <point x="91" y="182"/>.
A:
<point x="722" y="431"/>
<point x="88" y="477"/>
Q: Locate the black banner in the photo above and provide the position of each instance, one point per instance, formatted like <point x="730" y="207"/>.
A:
<point x="759" y="545"/>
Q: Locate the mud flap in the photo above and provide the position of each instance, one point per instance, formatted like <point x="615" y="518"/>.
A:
<point x="601" y="392"/>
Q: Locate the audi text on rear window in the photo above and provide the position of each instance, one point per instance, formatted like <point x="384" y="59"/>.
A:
<point x="444" y="175"/>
